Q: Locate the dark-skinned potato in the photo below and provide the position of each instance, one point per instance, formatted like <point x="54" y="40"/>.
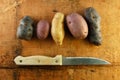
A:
<point x="77" y="25"/>
<point x="42" y="29"/>
<point x="93" y="19"/>
<point x="25" y="28"/>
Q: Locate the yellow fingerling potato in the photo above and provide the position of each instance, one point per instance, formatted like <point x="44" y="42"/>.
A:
<point x="57" y="29"/>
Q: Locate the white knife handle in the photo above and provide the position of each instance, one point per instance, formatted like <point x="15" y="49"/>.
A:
<point x="38" y="60"/>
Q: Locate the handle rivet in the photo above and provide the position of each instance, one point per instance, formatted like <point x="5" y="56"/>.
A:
<point x="20" y="61"/>
<point x="38" y="61"/>
<point x="56" y="61"/>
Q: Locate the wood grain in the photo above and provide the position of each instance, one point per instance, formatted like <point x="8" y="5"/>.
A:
<point x="8" y="74"/>
<point x="11" y="11"/>
<point x="68" y="73"/>
<point x="9" y="45"/>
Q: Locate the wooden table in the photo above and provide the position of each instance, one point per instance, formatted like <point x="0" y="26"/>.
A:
<point x="11" y="11"/>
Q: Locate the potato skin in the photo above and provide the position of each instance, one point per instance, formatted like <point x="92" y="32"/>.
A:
<point x="57" y="29"/>
<point x="42" y="29"/>
<point x="93" y="19"/>
<point x="77" y="25"/>
<point x="25" y="28"/>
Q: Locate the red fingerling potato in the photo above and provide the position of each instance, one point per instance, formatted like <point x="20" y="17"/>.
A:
<point x="42" y="29"/>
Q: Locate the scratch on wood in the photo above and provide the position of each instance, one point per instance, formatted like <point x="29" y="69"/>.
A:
<point x="16" y="75"/>
<point x="92" y="70"/>
<point x="70" y="73"/>
<point x="5" y="9"/>
<point x="18" y="50"/>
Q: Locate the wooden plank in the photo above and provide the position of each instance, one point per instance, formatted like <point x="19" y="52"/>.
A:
<point x="8" y="74"/>
<point x="11" y="11"/>
<point x="39" y="74"/>
<point x="71" y="73"/>
<point x="62" y="73"/>
<point x="9" y="45"/>
<point x="100" y="73"/>
<point x="43" y="9"/>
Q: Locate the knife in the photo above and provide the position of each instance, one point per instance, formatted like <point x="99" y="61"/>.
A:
<point x="59" y="60"/>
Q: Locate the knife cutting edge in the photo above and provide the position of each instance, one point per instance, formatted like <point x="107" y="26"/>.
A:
<point x="59" y="60"/>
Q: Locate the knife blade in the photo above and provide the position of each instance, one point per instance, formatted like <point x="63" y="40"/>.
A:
<point x="59" y="60"/>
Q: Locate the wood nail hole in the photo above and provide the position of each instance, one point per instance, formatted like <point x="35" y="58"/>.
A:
<point x="55" y="10"/>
